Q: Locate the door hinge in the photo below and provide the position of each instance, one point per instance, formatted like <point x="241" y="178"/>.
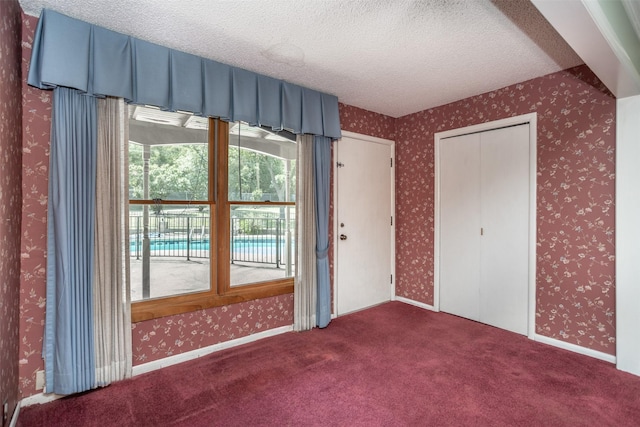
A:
<point x="391" y="220"/>
<point x="392" y="279"/>
<point x="391" y="161"/>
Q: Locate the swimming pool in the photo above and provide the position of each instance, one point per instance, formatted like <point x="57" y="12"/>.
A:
<point x="238" y="243"/>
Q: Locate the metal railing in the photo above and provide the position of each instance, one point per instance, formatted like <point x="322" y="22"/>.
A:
<point x="253" y="240"/>
<point x="171" y="235"/>
<point x="261" y="240"/>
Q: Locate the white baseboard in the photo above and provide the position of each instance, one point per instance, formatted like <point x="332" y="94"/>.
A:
<point x="540" y="338"/>
<point x="416" y="303"/>
<point x="14" y="418"/>
<point x="194" y="354"/>
<point x="39" y="398"/>
<point x="575" y="348"/>
<point x="162" y="363"/>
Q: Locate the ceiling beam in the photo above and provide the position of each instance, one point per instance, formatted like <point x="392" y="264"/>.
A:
<point x="603" y="36"/>
<point x="154" y="134"/>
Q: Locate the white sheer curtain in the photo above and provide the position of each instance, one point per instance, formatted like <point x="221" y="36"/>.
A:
<point x="305" y="284"/>
<point x="112" y="303"/>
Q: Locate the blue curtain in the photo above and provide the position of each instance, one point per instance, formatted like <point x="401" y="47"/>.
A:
<point x="72" y="53"/>
<point x="322" y="173"/>
<point x="68" y="341"/>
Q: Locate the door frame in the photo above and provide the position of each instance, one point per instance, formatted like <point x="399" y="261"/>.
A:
<point x="530" y="119"/>
<point x="336" y="279"/>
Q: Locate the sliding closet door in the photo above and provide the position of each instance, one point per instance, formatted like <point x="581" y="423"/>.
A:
<point x="504" y="212"/>
<point x="460" y="226"/>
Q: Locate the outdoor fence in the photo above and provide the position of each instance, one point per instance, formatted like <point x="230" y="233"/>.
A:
<point x="253" y="239"/>
<point x="260" y="240"/>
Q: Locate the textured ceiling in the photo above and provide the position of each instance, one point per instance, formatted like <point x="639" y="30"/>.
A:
<point x="393" y="57"/>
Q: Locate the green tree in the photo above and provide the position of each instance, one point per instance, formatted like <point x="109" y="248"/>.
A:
<point x="258" y="174"/>
<point x="176" y="171"/>
<point x="179" y="171"/>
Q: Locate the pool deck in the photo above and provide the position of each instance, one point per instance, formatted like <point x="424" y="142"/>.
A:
<point x="178" y="276"/>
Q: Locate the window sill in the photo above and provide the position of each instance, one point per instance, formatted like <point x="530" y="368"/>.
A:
<point x="161" y="307"/>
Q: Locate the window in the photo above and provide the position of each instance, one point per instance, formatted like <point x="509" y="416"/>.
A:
<point x="212" y="212"/>
<point x="259" y="201"/>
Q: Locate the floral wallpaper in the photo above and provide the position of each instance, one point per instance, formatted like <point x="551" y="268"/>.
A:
<point x="36" y="123"/>
<point x="167" y="336"/>
<point x="575" y="296"/>
<point x="354" y="119"/>
<point x="10" y="198"/>
<point x="575" y="281"/>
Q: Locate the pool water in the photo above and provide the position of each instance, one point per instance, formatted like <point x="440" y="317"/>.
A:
<point x="238" y="244"/>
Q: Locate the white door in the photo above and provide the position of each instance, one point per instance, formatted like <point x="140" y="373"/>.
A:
<point x="460" y="219"/>
<point x="363" y="217"/>
<point x="504" y="252"/>
<point x="484" y="227"/>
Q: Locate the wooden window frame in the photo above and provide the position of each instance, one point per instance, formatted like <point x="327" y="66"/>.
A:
<point x="220" y="293"/>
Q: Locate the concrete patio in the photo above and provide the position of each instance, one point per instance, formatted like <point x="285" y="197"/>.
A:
<point x="172" y="276"/>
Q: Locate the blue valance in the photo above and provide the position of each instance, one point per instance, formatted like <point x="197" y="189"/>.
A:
<point x="72" y="53"/>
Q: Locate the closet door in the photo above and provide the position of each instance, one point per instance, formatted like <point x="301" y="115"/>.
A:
<point x="460" y="226"/>
<point x="484" y="227"/>
<point x="504" y="215"/>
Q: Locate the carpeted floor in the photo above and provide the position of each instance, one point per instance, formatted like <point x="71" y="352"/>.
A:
<point x="390" y="365"/>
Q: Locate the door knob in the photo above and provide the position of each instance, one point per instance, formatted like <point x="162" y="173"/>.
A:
<point x="343" y="237"/>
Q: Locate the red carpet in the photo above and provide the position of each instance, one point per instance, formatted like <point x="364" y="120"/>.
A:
<point x="391" y="365"/>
